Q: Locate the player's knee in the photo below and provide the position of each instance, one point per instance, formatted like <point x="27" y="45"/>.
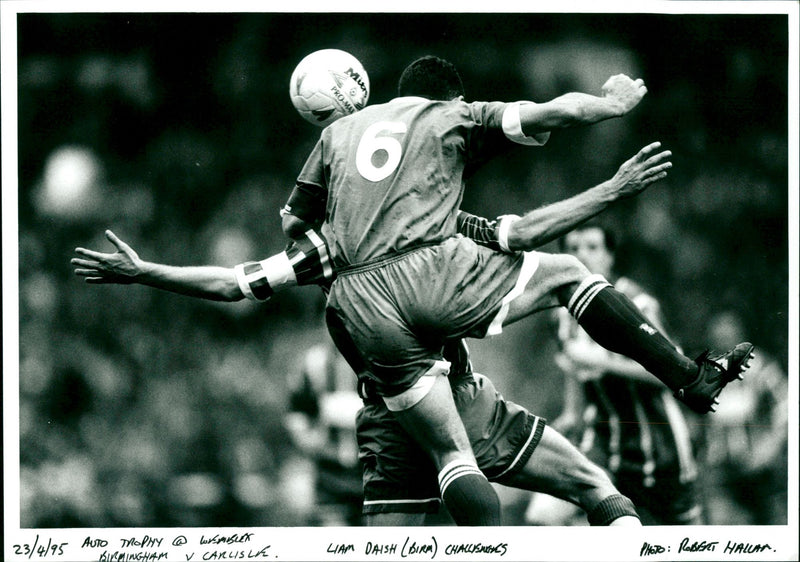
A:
<point x="571" y="272"/>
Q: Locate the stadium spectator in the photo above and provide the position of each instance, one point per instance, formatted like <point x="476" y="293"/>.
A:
<point x="323" y="404"/>
<point x="746" y="441"/>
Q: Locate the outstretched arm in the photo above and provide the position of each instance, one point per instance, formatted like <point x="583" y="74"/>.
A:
<point x="126" y="267"/>
<point x="542" y="225"/>
<point x="304" y="262"/>
<point x="620" y="94"/>
<point x="547" y="223"/>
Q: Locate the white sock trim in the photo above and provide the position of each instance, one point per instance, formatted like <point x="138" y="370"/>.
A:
<point x="454" y="470"/>
<point x="585" y="293"/>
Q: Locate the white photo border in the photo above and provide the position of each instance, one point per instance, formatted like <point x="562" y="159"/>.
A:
<point x="318" y="544"/>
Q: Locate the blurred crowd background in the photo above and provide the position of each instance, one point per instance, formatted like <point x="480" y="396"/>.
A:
<point x="142" y="408"/>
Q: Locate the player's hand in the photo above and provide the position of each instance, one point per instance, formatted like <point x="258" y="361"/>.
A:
<point x="638" y="173"/>
<point x="121" y="267"/>
<point x="623" y="92"/>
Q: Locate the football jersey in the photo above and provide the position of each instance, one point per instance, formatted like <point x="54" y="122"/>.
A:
<point x="392" y="174"/>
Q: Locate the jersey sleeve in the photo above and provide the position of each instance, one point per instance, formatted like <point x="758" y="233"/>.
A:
<point x="310" y="194"/>
<point x="490" y="233"/>
<point x="495" y="129"/>
<point x="480" y="229"/>
<point x="306" y="202"/>
<point x="512" y="127"/>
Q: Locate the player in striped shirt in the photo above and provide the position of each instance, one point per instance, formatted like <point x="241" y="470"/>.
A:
<point x="617" y="413"/>
<point x="385" y="185"/>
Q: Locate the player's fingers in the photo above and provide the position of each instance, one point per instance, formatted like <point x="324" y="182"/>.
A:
<point x="645" y="152"/>
<point x="655" y="171"/>
<point x="83" y="263"/>
<point x="97" y="256"/>
<point x="655" y="178"/>
<point x="116" y="241"/>
<point x="87" y="272"/>
<point x="639" y="82"/>
<point x="658" y="158"/>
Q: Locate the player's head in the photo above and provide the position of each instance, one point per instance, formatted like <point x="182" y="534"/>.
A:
<point x="593" y="244"/>
<point x="431" y="77"/>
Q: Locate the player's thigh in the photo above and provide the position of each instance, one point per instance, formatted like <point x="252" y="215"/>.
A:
<point x="435" y="424"/>
<point x="558" y="468"/>
<point x="554" y="276"/>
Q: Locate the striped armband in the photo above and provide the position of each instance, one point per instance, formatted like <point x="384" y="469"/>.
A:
<point x="259" y="279"/>
<point x="305" y="262"/>
<point x="512" y="127"/>
<point x="310" y="259"/>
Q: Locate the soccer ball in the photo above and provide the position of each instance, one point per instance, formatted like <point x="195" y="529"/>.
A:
<point x="328" y="84"/>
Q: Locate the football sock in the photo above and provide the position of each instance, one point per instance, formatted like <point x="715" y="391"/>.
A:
<point x="468" y="495"/>
<point x="613" y="321"/>
<point x="611" y="508"/>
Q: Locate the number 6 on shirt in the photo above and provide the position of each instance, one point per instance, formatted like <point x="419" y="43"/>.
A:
<point x="371" y="142"/>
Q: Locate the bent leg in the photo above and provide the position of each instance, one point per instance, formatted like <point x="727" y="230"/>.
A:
<point x="557" y="468"/>
<point x="435" y="424"/>
<point x="608" y="316"/>
<point x="556" y="275"/>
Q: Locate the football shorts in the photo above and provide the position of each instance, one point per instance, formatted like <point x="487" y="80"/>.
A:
<point x="400" y="310"/>
<point x="399" y="477"/>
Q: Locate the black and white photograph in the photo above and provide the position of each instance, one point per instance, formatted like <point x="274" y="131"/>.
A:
<point x="426" y="282"/>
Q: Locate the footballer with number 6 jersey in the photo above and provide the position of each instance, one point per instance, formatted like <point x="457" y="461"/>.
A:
<point x="386" y="182"/>
<point x="380" y="204"/>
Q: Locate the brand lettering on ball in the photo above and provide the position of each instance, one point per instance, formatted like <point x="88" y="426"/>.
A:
<point x="357" y="77"/>
<point x="342" y="99"/>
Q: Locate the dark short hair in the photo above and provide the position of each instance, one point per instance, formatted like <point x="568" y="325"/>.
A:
<point x="609" y="238"/>
<point x="431" y="77"/>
